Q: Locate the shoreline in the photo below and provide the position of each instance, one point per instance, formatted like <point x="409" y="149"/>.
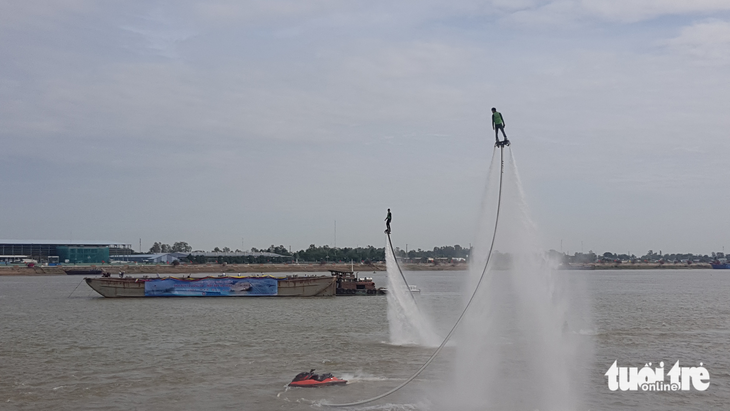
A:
<point x="652" y="266"/>
<point x="302" y="268"/>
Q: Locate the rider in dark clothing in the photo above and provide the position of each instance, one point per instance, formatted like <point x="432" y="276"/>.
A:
<point x="387" y="222"/>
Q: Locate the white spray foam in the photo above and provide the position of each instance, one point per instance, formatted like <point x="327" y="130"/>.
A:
<point x="407" y="323"/>
<point x="513" y="348"/>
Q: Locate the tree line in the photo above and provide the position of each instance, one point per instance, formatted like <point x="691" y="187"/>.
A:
<point x="178" y="247"/>
<point x="649" y="257"/>
<point x="314" y="253"/>
<point x="325" y="253"/>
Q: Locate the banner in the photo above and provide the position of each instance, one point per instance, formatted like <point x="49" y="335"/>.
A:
<point x="211" y="287"/>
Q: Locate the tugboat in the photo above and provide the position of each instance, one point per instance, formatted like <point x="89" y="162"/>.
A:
<point x="310" y="379"/>
<point x="350" y="284"/>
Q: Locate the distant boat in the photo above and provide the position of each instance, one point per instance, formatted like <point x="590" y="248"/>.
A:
<point x="720" y="266"/>
<point x="77" y="271"/>
<point x="411" y="287"/>
<point x="576" y="267"/>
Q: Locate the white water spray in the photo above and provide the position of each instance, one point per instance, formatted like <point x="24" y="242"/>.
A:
<point x="515" y="346"/>
<point x="407" y="323"/>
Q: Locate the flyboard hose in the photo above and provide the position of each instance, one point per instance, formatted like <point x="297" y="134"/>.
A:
<point x="458" y="321"/>
<point x="399" y="270"/>
<point x="69" y="296"/>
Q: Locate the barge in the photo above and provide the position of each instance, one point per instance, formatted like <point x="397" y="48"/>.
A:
<point x="221" y="286"/>
<point x="82" y="271"/>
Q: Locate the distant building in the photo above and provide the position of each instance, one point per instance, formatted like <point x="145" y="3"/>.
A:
<point x="12" y="258"/>
<point x="159" y="258"/>
<point x="168" y="258"/>
<point x="71" y="252"/>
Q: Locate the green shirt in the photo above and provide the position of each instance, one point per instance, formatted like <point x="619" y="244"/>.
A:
<point x="497" y="118"/>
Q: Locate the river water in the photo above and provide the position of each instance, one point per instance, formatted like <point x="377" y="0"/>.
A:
<point x="85" y="352"/>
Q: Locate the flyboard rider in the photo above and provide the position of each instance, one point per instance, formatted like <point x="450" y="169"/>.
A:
<point x="387" y="222"/>
<point x="498" y="124"/>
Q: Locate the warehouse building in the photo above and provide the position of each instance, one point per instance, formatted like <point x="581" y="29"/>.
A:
<point x="70" y="252"/>
<point x="158" y="258"/>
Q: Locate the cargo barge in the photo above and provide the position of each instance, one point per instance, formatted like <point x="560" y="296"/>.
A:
<point x="221" y="286"/>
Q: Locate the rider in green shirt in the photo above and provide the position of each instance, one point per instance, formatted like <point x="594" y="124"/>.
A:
<point x="498" y="124"/>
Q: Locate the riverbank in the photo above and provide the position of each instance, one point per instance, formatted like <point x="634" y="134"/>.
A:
<point x="221" y="268"/>
<point x="190" y="268"/>
<point x="650" y="266"/>
<point x="302" y="268"/>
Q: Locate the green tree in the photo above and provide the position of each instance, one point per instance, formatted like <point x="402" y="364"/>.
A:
<point x="156" y="248"/>
<point x="181" y="247"/>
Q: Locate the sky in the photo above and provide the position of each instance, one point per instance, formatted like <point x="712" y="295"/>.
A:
<point x="249" y="123"/>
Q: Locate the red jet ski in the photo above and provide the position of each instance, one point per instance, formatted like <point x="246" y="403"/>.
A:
<point x="310" y="379"/>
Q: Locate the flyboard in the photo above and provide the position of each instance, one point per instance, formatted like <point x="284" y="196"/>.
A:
<point x="500" y="145"/>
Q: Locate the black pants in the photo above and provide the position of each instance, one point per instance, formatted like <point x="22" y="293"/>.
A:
<point x="498" y="127"/>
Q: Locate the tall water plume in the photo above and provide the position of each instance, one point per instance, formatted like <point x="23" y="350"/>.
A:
<point x="516" y="348"/>
<point x="407" y="323"/>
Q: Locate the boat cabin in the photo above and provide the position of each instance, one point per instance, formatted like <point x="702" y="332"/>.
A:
<point x="348" y="283"/>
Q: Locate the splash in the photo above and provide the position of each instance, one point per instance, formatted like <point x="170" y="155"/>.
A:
<point x="406" y="322"/>
<point x="514" y="348"/>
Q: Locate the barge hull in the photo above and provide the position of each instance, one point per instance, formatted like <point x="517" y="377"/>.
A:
<point x="320" y="286"/>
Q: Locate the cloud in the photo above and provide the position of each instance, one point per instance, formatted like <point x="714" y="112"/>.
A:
<point x="25" y="14"/>
<point x="390" y="100"/>
<point x="580" y="12"/>
<point x="707" y="41"/>
<point x="553" y="13"/>
<point x="263" y="11"/>
<point x="639" y="10"/>
<point x="160" y="33"/>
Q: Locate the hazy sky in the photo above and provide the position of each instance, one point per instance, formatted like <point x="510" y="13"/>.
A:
<point x="263" y="122"/>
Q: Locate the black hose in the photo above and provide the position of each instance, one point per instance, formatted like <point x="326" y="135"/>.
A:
<point x="399" y="270"/>
<point x="458" y="321"/>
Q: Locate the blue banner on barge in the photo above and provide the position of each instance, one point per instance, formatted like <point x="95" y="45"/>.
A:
<point x="212" y="287"/>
